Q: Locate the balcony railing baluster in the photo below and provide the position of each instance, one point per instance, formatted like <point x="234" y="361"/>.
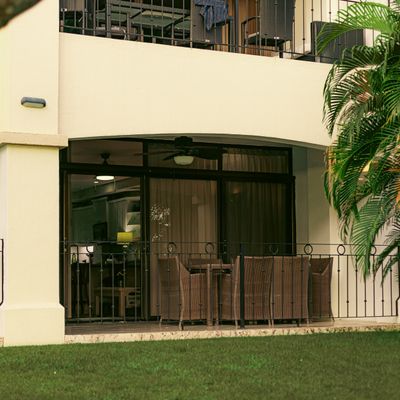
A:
<point x="237" y="286"/>
<point x="284" y="28"/>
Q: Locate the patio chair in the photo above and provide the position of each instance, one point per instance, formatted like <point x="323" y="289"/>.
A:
<point x="183" y="296"/>
<point x="290" y="288"/>
<point x="273" y="26"/>
<point x="321" y="276"/>
<point x="257" y="289"/>
<point x="192" y="262"/>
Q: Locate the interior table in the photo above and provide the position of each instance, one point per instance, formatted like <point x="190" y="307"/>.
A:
<point x="120" y="292"/>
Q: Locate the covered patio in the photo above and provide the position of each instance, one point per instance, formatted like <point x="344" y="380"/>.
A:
<point x="188" y="233"/>
<point x="195" y="291"/>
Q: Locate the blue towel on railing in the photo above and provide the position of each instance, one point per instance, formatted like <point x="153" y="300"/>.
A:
<point x="213" y="11"/>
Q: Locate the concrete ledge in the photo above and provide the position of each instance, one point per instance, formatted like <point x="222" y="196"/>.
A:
<point x="33" y="139"/>
<point x="216" y="333"/>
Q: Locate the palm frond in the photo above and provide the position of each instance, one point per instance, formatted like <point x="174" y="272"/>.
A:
<point x="362" y="108"/>
<point x="366" y="15"/>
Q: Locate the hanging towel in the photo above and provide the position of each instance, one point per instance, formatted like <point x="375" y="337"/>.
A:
<point x="213" y="11"/>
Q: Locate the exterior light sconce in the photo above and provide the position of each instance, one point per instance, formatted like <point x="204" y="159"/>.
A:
<point x="33" y="102"/>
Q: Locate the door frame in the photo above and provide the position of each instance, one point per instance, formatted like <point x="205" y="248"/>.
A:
<point x="146" y="172"/>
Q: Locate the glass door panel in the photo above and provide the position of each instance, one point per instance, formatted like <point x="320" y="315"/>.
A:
<point x="103" y="271"/>
<point x="184" y="212"/>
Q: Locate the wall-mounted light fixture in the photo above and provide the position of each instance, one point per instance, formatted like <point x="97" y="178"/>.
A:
<point x="33" y="102"/>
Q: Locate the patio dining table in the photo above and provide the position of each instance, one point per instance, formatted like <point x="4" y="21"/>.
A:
<point x="211" y="269"/>
<point x="145" y="14"/>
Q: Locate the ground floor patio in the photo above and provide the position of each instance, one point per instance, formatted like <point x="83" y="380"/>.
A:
<point x="241" y="235"/>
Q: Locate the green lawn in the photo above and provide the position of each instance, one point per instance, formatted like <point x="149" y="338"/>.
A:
<point x="320" y="366"/>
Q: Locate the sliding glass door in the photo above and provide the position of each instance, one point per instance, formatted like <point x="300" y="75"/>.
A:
<point x="103" y="272"/>
<point x="182" y="212"/>
<point x="126" y="202"/>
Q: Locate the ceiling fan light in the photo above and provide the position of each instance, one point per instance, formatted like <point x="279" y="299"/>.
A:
<point x="183" y="160"/>
<point x="104" y="178"/>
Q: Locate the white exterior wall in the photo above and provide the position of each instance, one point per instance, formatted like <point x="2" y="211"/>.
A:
<point x="115" y="88"/>
<point x="29" y="187"/>
<point x="29" y="67"/>
<point x="97" y="87"/>
<point x="312" y="210"/>
<point x="29" y="220"/>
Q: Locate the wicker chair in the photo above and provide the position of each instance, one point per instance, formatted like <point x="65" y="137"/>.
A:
<point x="321" y="275"/>
<point x="183" y="296"/>
<point x="290" y="288"/>
<point x="257" y="289"/>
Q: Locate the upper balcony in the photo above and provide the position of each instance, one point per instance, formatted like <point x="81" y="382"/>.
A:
<point x="284" y="28"/>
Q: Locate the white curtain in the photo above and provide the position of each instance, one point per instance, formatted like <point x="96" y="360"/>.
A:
<point x="255" y="162"/>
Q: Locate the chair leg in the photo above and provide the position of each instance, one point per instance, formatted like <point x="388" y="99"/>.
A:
<point x="271" y="322"/>
<point x="271" y="319"/>
<point x="333" y="318"/>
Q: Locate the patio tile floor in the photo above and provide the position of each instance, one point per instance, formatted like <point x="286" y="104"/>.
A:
<point x="139" y="331"/>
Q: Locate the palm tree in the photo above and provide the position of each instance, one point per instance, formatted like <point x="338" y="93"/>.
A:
<point x="362" y="111"/>
<point x="11" y="8"/>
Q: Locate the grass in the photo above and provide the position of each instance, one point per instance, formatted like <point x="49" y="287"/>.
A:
<point x="328" y="366"/>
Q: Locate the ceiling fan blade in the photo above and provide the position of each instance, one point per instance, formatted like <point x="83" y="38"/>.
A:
<point x="171" y="156"/>
<point x="154" y="153"/>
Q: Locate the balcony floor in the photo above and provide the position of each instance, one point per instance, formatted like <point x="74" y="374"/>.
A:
<point x="139" y="331"/>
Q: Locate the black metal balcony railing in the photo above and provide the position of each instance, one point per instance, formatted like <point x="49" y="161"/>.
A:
<point x="1" y="271"/>
<point x="218" y="283"/>
<point x="287" y="28"/>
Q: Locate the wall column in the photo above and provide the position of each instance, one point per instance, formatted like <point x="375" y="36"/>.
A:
<point x="29" y="224"/>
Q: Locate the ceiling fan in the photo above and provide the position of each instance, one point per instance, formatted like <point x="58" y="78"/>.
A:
<point x="104" y="177"/>
<point x="185" y="150"/>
